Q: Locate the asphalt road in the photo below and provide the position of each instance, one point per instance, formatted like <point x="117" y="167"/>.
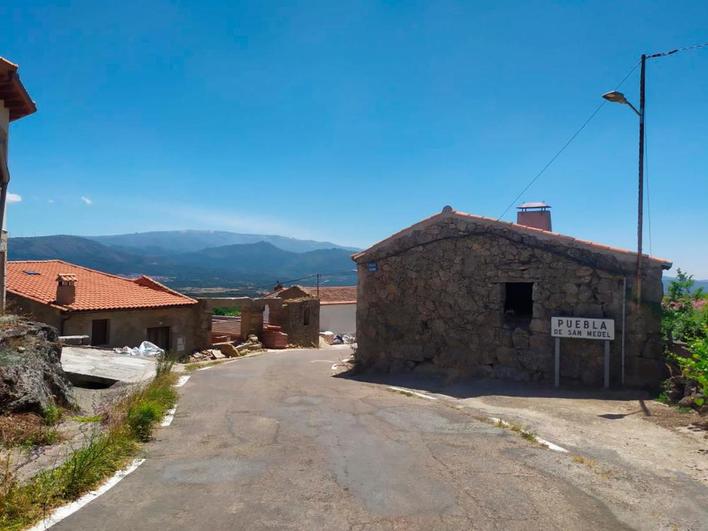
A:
<point x="276" y="442"/>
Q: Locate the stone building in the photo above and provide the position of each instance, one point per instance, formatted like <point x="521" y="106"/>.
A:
<point x="111" y="310"/>
<point x="293" y="310"/>
<point x="473" y="296"/>
<point x="298" y="313"/>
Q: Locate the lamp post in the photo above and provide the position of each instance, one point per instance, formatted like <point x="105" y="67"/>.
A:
<point x="617" y="97"/>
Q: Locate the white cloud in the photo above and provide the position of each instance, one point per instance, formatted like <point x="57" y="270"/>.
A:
<point x="87" y="200"/>
<point x="14" y="198"/>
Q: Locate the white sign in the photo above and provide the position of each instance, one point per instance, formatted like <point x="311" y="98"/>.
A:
<point x="583" y="328"/>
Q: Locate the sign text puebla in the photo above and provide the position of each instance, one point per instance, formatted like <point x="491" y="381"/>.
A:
<point x="583" y="328"/>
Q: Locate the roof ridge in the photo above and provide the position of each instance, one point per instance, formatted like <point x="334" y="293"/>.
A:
<point x="448" y="212"/>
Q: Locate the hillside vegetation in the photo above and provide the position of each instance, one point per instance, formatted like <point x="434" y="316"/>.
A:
<point x="685" y="323"/>
<point x="256" y="265"/>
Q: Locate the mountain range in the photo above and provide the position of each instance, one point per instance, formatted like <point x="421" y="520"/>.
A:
<point x="201" y="259"/>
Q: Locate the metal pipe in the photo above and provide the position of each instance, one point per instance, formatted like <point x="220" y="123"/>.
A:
<point x="624" y="321"/>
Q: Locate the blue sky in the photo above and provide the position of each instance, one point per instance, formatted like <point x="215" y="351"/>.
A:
<point x="348" y="121"/>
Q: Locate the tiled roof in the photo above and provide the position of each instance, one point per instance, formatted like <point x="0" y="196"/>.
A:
<point x="13" y="92"/>
<point x="541" y="235"/>
<point x="334" y="294"/>
<point x="37" y="280"/>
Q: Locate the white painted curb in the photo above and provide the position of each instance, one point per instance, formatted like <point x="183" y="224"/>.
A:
<point x="410" y="391"/>
<point x="182" y="380"/>
<point x="169" y="417"/>
<point x="542" y="442"/>
<point x="67" y="510"/>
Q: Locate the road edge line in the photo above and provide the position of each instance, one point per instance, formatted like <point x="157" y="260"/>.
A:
<point x="411" y="391"/>
<point x="539" y="440"/>
<point x="65" y="511"/>
<point x="169" y="417"/>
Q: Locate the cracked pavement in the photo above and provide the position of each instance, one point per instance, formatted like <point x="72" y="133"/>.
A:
<point x="276" y="442"/>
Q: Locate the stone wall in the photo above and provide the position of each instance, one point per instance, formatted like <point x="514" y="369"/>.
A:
<point x="189" y="325"/>
<point x="436" y="299"/>
<point x="300" y="319"/>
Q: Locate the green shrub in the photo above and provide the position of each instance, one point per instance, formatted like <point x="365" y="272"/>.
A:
<point x="227" y="312"/>
<point x="142" y="417"/>
<point x="681" y="320"/>
<point x="51" y="415"/>
<point x="695" y="366"/>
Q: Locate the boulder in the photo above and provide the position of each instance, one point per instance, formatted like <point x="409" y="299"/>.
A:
<point x="31" y="376"/>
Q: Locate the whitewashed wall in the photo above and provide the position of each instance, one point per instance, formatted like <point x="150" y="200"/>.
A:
<point x="338" y="318"/>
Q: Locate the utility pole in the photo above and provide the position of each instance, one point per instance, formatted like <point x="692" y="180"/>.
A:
<point x="640" y="199"/>
<point x="617" y="97"/>
<point x="318" y="284"/>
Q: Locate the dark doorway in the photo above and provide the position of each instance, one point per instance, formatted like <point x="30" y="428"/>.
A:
<point x="518" y="300"/>
<point x="99" y="332"/>
<point x="160" y="336"/>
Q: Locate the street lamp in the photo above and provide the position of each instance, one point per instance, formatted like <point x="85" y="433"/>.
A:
<point x="617" y="97"/>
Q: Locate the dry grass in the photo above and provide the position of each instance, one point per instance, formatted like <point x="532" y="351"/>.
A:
<point x="523" y="432"/>
<point x="27" y="430"/>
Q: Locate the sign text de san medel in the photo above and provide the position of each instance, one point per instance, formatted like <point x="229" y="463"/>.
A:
<point x="583" y="328"/>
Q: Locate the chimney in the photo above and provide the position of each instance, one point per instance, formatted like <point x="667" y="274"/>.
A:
<point x="66" y="289"/>
<point x="536" y="215"/>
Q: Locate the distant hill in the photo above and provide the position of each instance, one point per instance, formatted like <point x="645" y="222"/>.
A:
<point x="73" y="249"/>
<point x="252" y="265"/>
<point x="697" y="283"/>
<point x="185" y="241"/>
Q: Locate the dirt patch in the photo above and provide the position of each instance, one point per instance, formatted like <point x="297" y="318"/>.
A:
<point x="676" y="418"/>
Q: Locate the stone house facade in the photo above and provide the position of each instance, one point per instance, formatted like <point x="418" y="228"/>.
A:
<point x="112" y="311"/>
<point x="473" y="296"/>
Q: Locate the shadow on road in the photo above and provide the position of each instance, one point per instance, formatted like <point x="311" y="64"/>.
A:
<point x="479" y="387"/>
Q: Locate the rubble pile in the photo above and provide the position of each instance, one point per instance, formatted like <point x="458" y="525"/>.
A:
<point x="330" y="338"/>
<point x="228" y="350"/>
<point x="685" y="392"/>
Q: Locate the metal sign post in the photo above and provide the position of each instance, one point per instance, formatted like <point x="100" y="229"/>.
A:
<point x="582" y="328"/>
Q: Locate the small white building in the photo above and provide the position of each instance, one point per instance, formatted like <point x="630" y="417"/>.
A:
<point x="337" y="308"/>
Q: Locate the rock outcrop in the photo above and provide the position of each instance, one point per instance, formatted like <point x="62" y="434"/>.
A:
<point x="31" y="376"/>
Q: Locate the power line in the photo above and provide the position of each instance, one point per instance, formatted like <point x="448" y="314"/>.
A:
<point x="646" y="142"/>
<point x="313" y="275"/>
<point x="676" y="50"/>
<point x="562" y="149"/>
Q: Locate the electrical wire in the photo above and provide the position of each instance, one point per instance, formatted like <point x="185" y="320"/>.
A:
<point x="676" y="50"/>
<point x="562" y="149"/>
<point x="313" y="275"/>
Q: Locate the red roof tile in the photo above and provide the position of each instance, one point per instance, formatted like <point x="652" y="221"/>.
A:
<point x="334" y="294"/>
<point x="37" y="280"/>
